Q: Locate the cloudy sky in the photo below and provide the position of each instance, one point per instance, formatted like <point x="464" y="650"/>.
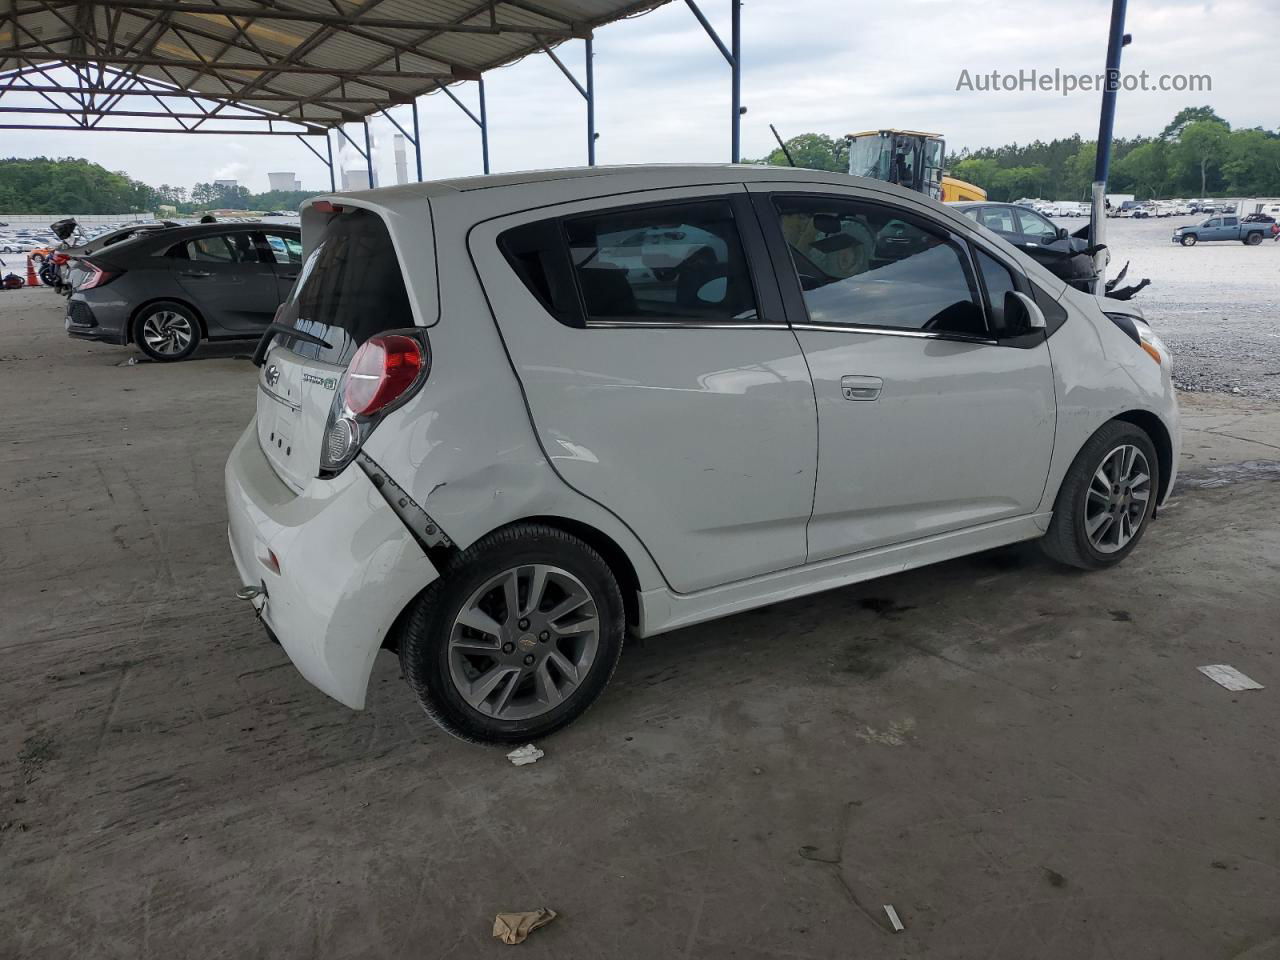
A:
<point x="832" y="66"/>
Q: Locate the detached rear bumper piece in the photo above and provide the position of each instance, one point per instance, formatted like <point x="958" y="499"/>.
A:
<point x="334" y="564"/>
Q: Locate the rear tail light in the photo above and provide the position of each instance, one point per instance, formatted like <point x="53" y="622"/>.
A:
<point x="98" y="276"/>
<point x="382" y="369"/>
<point x="385" y="372"/>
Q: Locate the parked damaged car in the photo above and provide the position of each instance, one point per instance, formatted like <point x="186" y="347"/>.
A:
<point x="504" y="423"/>
<point x="1067" y="255"/>
<point x="167" y="290"/>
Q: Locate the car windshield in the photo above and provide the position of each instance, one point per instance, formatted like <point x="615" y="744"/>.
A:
<point x="869" y="157"/>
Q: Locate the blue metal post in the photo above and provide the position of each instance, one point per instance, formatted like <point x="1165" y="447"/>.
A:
<point x="484" y="129"/>
<point x="417" y="139"/>
<point x="1106" y="127"/>
<point x="736" y="65"/>
<point x="734" y="58"/>
<point x="591" y="108"/>
<point x="368" y="154"/>
<point x="1106" y="123"/>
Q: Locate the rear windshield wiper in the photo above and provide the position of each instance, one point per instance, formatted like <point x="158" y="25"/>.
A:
<point x="264" y="344"/>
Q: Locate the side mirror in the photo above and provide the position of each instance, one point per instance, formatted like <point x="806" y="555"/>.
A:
<point x="1021" y="314"/>
<point x="1062" y="233"/>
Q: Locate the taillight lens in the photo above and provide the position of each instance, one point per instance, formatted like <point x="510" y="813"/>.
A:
<point x="383" y="368"/>
<point x="385" y="371"/>
<point x="97" y="276"/>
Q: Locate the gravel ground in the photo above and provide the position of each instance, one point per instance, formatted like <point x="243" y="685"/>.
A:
<point x="1024" y="761"/>
<point x="1216" y="305"/>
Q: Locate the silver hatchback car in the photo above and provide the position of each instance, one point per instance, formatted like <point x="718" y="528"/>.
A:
<point x="504" y="422"/>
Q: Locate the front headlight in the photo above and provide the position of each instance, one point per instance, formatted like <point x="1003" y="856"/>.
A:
<point x="1149" y="342"/>
<point x="1141" y="334"/>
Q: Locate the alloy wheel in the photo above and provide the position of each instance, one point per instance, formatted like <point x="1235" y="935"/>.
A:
<point x="524" y="641"/>
<point x="167" y="332"/>
<point x="1116" y="500"/>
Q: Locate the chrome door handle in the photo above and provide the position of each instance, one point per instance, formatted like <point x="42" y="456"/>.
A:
<point x="861" y="388"/>
<point x="196" y="273"/>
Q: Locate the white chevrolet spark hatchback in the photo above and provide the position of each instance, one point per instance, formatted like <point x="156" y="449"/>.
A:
<point x="505" y="421"/>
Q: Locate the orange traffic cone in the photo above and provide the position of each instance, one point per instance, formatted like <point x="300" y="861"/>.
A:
<point x="32" y="280"/>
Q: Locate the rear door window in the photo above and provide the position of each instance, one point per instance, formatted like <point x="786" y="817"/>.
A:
<point x="215" y="249"/>
<point x="999" y="219"/>
<point x="283" y="248"/>
<point x="680" y="262"/>
<point x="350" y="288"/>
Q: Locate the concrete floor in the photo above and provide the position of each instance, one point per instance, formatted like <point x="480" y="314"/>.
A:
<point x="1023" y="760"/>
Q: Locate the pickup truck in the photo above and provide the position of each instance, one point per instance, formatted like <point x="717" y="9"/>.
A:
<point x="1224" y="228"/>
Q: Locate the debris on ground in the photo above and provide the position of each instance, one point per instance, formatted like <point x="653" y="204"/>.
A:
<point x="1055" y="878"/>
<point x="893" y="918"/>
<point x="515" y="927"/>
<point x="1229" y="677"/>
<point x="526" y="754"/>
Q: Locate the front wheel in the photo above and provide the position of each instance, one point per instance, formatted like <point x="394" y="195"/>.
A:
<point x="1188" y="239"/>
<point x="1105" y="500"/>
<point x="167" y="331"/>
<point x="517" y="639"/>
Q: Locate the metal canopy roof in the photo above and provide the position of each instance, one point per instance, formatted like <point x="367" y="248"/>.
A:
<point x="314" y="63"/>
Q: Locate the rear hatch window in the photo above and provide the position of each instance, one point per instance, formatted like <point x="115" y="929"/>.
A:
<point x="349" y="289"/>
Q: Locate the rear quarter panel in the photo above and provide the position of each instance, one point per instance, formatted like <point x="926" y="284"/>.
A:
<point x="464" y="448"/>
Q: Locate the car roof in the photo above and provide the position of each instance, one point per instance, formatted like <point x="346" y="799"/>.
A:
<point x="622" y="178"/>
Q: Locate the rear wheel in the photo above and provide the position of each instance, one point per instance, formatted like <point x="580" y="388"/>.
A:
<point x="517" y="639"/>
<point x="1253" y="239"/>
<point x="1105" y="500"/>
<point x="1188" y="239"/>
<point x="167" y="331"/>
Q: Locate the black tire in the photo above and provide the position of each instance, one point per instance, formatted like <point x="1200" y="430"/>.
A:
<point x="425" y="641"/>
<point x="1067" y="540"/>
<point x="157" y="312"/>
<point x="1188" y="239"/>
<point x="1253" y="239"/>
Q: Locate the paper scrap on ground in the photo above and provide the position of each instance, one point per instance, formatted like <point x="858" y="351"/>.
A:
<point x="893" y="918"/>
<point x="1229" y="677"/>
<point x="526" y="754"/>
<point x="515" y="927"/>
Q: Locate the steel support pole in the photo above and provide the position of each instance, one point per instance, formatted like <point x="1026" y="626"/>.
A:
<point x="368" y="155"/>
<point x="591" y="107"/>
<point x="484" y="129"/>
<point x="328" y="146"/>
<point x="417" y="139"/>
<point x="1116" y="41"/>
<point x="736" y="65"/>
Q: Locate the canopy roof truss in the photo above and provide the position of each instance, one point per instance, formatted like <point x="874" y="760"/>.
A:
<point x="284" y="67"/>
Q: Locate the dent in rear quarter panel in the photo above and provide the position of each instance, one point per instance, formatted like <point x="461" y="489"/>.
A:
<point x="464" y="447"/>
<point x="1098" y="373"/>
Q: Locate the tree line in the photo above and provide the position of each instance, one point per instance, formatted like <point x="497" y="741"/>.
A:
<point x="1196" y="155"/>
<point x="71" y="185"/>
<point x="219" y="196"/>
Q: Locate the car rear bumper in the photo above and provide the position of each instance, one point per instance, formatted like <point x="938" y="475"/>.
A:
<point x="347" y="566"/>
<point x="105" y="323"/>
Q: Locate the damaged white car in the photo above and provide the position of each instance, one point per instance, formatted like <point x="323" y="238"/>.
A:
<point x="502" y="423"/>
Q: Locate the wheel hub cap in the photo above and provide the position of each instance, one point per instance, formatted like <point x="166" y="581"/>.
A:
<point x="523" y="641"/>
<point x="1116" y="501"/>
